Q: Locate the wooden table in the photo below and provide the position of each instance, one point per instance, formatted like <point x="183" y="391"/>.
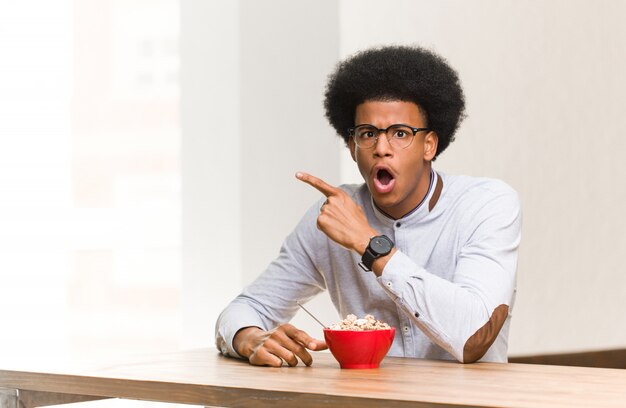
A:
<point x="203" y="377"/>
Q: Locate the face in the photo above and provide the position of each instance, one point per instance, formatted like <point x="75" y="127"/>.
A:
<point x="398" y="179"/>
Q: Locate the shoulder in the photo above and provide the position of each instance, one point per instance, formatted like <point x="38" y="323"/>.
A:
<point x="480" y="202"/>
<point x="358" y="192"/>
<point x="487" y="211"/>
<point x="477" y="191"/>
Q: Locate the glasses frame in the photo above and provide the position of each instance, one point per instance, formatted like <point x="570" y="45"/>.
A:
<point x="352" y="133"/>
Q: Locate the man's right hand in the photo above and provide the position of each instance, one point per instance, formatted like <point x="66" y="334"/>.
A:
<point x="285" y="343"/>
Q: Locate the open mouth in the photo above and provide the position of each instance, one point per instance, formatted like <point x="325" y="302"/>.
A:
<point x="384" y="177"/>
<point x="384" y="180"/>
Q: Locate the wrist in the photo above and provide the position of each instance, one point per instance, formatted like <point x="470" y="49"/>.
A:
<point x="242" y="341"/>
<point x="379" y="247"/>
<point x="363" y="241"/>
<point x="380" y="263"/>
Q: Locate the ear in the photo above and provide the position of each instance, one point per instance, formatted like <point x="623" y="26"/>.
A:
<point x="430" y="145"/>
<point x="352" y="147"/>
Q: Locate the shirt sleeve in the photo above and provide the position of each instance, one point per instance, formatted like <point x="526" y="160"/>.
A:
<point x="271" y="299"/>
<point x="465" y="315"/>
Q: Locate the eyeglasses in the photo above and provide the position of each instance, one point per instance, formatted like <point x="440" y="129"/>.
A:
<point x="399" y="136"/>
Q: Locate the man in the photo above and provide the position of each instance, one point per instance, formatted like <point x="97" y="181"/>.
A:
<point x="433" y="255"/>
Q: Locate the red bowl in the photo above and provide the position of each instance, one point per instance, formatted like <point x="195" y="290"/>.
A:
<point x="359" y="349"/>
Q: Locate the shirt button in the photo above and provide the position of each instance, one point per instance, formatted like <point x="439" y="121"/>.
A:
<point x="398" y="224"/>
<point x="389" y="284"/>
<point x="405" y="328"/>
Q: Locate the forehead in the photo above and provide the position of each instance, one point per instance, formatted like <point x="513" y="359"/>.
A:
<point x="385" y="113"/>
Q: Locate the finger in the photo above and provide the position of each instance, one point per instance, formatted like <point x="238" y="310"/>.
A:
<point x="295" y="347"/>
<point x="262" y="357"/>
<point x="322" y="186"/>
<point x="278" y="349"/>
<point x="323" y="204"/>
<point x="304" y="339"/>
<point x="317" y="345"/>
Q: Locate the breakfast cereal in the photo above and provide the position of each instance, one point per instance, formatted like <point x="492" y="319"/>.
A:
<point x="351" y="322"/>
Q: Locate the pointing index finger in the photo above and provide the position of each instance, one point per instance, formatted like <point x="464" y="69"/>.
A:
<point x="317" y="183"/>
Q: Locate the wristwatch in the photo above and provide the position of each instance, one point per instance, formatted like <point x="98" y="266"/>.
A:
<point x="378" y="246"/>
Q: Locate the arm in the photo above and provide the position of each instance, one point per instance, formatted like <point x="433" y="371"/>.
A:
<point x="253" y="322"/>
<point x="465" y="315"/>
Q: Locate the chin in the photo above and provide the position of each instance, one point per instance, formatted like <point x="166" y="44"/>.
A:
<point x="384" y="201"/>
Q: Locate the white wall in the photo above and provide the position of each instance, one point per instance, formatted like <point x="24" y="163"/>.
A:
<point x="545" y="92"/>
<point x="252" y="84"/>
<point x="287" y="50"/>
<point x="211" y="157"/>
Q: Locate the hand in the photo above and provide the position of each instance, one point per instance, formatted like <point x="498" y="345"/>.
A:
<point x="285" y="343"/>
<point x="341" y="219"/>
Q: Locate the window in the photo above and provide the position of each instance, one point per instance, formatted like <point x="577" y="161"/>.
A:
<point x="89" y="176"/>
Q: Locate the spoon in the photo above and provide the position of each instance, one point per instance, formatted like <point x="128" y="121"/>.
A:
<point x="316" y="319"/>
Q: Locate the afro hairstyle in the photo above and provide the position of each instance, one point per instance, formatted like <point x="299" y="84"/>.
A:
<point x="397" y="73"/>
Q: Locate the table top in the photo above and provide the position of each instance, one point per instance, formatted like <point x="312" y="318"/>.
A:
<point x="204" y="377"/>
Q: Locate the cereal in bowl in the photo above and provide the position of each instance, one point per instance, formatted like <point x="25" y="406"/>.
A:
<point x="351" y="322"/>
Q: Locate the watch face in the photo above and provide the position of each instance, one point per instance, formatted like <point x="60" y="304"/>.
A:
<point x="381" y="245"/>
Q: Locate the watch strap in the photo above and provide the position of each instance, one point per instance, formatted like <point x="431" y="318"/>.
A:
<point x="370" y="254"/>
<point x="367" y="260"/>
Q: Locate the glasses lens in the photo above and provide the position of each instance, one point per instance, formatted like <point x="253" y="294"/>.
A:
<point x="400" y="136"/>
<point x="365" y="136"/>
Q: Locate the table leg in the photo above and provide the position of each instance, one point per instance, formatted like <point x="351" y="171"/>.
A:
<point x="11" y="398"/>
<point x="8" y="398"/>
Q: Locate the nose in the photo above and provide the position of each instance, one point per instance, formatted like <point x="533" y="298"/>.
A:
<point x="383" y="147"/>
